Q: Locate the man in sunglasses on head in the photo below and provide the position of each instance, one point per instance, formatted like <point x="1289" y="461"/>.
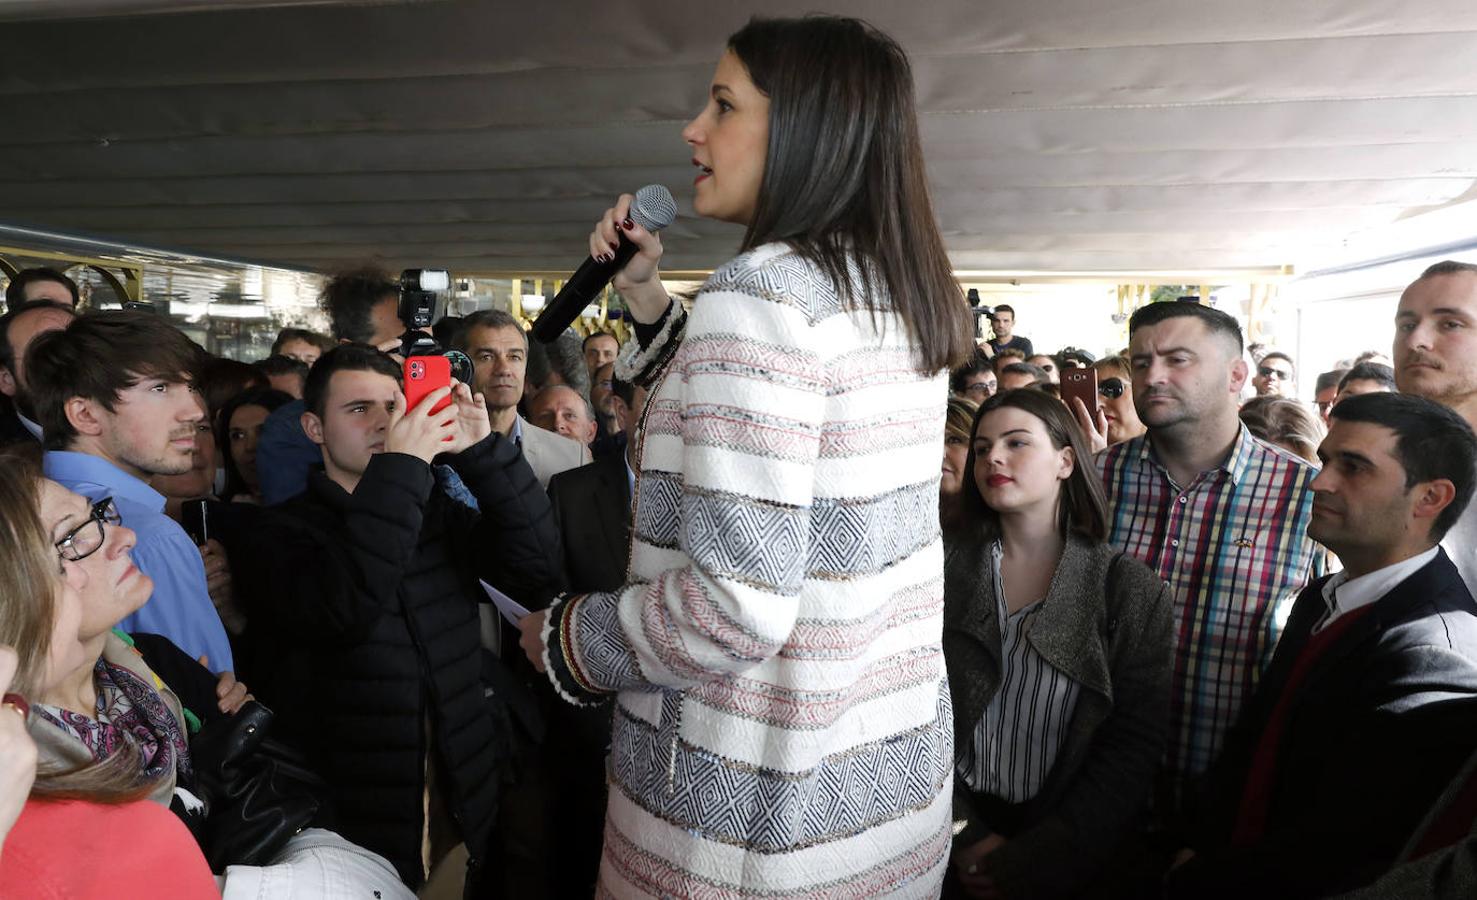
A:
<point x="113" y="396"/>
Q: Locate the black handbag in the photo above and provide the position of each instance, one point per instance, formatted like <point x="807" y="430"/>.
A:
<point x="258" y="792"/>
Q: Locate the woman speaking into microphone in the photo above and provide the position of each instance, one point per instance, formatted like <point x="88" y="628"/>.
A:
<point x="782" y="722"/>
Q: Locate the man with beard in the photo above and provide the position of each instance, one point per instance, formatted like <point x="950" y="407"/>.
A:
<point x="18" y="328"/>
<point x="113" y="395"/>
<point x="1436" y="357"/>
<point x="1217" y="513"/>
<point x="1365" y="712"/>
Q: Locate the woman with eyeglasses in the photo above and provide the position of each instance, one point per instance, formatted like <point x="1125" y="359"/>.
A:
<point x="112" y="716"/>
<point x="89" y="828"/>
<point x="1058" y="653"/>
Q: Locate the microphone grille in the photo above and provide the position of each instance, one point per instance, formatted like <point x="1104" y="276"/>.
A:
<point x="654" y="208"/>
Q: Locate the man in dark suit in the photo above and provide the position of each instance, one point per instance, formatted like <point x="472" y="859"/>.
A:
<point x="593" y="505"/>
<point x="1360" y="720"/>
<point x="1439" y="861"/>
<point x="21" y="324"/>
<point x="554" y="816"/>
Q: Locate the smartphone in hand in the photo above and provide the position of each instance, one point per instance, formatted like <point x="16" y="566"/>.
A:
<point x="424" y="374"/>
<point x="1082" y="384"/>
<point x="195" y="519"/>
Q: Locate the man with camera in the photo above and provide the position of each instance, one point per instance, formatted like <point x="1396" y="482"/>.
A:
<point x="364" y="306"/>
<point x="369" y="580"/>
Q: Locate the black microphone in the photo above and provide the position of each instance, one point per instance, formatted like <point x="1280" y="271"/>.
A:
<point x="653" y="209"/>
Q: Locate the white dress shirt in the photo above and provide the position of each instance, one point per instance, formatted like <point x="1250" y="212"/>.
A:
<point x="1344" y="594"/>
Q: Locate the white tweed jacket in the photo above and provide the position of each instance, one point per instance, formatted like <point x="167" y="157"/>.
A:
<point x="783" y="725"/>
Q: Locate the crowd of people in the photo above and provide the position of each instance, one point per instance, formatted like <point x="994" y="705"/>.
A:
<point x="695" y="615"/>
<point x="1238" y="656"/>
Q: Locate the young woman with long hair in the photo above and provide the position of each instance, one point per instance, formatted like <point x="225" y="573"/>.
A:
<point x="238" y="427"/>
<point x="1058" y="651"/>
<point x="782" y="715"/>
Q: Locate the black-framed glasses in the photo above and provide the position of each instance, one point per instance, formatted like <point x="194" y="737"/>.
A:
<point x="1112" y="388"/>
<point x="980" y="388"/>
<point x="84" y="540"/>
<point x="1269" y="372"/>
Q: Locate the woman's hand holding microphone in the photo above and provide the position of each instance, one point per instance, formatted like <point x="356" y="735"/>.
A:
<point x="638" y="282"/>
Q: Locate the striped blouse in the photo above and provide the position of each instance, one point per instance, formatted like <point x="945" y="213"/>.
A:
<point x="1017" y="739"/>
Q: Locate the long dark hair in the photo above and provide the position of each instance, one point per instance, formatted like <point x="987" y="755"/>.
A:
<point x="1083" y="507"/>
<point x="844" y="172"/>
<point x="267" y="399"/>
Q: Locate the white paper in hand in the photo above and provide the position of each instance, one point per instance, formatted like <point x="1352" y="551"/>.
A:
<point x="505" y="604"/>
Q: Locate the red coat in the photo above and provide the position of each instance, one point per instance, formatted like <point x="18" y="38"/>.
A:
<point x="75" y="849"/>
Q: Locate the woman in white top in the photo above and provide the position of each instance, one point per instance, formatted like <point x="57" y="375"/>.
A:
<point x="782" y="722"/>
<point x="1058" y="649"/>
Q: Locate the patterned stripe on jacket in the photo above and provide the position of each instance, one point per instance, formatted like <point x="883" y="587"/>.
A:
<point x="783" y="724"/>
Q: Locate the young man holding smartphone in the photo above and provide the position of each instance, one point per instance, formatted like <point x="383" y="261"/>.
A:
<point x="370" y="605"/>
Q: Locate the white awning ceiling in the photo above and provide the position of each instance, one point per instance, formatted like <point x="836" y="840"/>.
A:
<point x="1061" y="135"/>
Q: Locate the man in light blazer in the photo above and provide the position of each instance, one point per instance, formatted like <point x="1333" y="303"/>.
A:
<point x="1360" y="720"/>
<point x="547" y="453"/>
<point x="498" y="347"/>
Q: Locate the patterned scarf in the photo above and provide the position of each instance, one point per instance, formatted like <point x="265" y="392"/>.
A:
<point x="128" y="709"/>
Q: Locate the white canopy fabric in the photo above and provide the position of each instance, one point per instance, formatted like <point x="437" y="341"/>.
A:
<point x="1061" y="135"/>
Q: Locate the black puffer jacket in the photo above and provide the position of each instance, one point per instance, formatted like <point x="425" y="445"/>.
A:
<point x="370" y="610"/>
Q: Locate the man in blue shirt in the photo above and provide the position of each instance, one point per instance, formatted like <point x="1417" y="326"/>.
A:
<point x="113" y="396"/>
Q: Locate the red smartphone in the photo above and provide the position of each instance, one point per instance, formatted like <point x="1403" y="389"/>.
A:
<point x="1082" y="384"/>
<point x="424" y="374"/>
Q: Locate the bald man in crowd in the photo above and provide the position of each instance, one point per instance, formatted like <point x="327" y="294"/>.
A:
<point x="560" y="408"/>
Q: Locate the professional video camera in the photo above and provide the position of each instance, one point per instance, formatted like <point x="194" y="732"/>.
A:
<point x="982" y="314"/>
<point x="423" y="304"/>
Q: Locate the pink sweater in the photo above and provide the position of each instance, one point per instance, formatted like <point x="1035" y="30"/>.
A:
<point x="74" y="849"/>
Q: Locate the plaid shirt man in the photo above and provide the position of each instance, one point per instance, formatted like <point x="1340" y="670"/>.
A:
<point x="1234" y="547"/>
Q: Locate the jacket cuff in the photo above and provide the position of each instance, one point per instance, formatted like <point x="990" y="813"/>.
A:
<point x="969" y="828"/>
<point x="644" y="359"/>
<point x="1023" y="862"/>
<point x="646" y="332"/>
<point x="494" y="449"/>
<point x="560" y="659"/>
